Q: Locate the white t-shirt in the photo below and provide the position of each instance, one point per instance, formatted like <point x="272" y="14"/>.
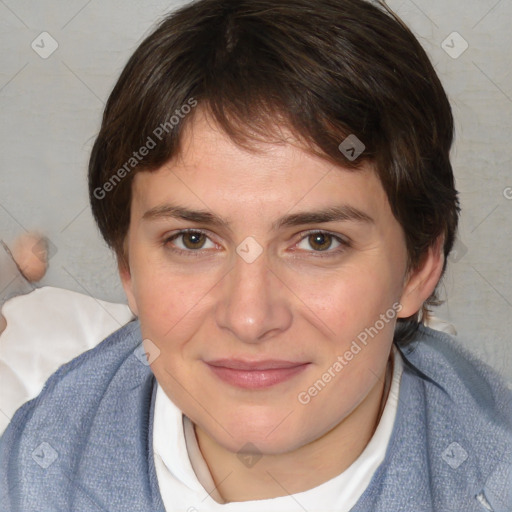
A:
<point x="186" y="483"/>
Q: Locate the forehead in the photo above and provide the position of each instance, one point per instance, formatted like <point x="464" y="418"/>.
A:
<point x="212" y="172"/>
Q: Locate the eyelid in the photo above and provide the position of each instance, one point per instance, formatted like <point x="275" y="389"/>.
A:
<point x="338" y="236"/>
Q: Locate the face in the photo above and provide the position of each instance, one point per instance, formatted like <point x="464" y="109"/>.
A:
<point x="254" y="273"/>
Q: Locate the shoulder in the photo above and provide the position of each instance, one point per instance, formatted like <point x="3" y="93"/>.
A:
<point x="451" y="446"/>
<point x="459" y="375"/>
<point x="464" y="409"/>
<point x="90" y="420"/>
<point x="82" y="380"/>
<point x="94" y="368"/>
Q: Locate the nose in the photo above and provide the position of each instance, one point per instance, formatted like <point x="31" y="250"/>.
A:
<point x="254" y="304"/>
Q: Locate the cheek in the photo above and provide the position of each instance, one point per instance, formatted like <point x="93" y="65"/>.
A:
<point x="168" y="303"/>
<point x="348" y="301"/>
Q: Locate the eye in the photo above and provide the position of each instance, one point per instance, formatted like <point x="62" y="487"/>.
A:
<point x="194" y="242"/>
<point x="322" y="241"/>
<point x="189" y="241"/>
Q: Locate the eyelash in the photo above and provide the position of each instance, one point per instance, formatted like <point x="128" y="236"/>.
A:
<point x="344" y="244"/>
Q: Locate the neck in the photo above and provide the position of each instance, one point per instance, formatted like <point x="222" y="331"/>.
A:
<point x="276" y="475"/>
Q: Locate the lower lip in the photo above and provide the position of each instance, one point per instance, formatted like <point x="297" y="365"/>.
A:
<point x="256" y="379"/>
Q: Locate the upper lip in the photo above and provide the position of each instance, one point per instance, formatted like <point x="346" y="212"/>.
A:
<point x="268" y="364"/>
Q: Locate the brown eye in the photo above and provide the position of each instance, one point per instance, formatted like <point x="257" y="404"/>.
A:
<point x="322" y="244"/>
<point x="320" y="241"/>
<point x="193" y="240"/>
<point x="192" y="243"/>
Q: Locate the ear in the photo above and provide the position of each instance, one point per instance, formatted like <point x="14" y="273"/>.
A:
<point x="422" y="281"/>
<point x="128" y="285"/>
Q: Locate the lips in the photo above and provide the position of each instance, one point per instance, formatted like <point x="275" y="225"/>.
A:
<point x="255" y="374"/>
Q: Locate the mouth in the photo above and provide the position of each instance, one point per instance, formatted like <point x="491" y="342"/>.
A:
<point x="255" y="374"/>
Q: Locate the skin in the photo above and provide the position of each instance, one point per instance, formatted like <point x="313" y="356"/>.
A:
<point x="31" y="256"/>
<point x="32" y="260"/>
<point x="295" y="302"/>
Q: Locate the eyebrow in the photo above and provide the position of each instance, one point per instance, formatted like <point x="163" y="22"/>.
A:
<point x="330" y="214"/>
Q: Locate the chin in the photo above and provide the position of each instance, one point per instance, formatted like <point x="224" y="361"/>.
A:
<point x="271" y="432"/>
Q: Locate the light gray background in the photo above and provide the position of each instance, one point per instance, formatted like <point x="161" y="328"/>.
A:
<point x="51" y="109"/>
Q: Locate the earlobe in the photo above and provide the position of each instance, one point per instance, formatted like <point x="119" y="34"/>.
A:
<point x="422" y="281"/>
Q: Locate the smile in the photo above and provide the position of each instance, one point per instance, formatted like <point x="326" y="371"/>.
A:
<point x="255" y="375"/>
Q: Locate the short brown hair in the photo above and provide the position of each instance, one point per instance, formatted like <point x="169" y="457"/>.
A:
<point x="325" y="69"/>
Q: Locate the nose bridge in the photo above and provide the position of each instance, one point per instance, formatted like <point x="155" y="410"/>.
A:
<point x="252" y="304"/>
